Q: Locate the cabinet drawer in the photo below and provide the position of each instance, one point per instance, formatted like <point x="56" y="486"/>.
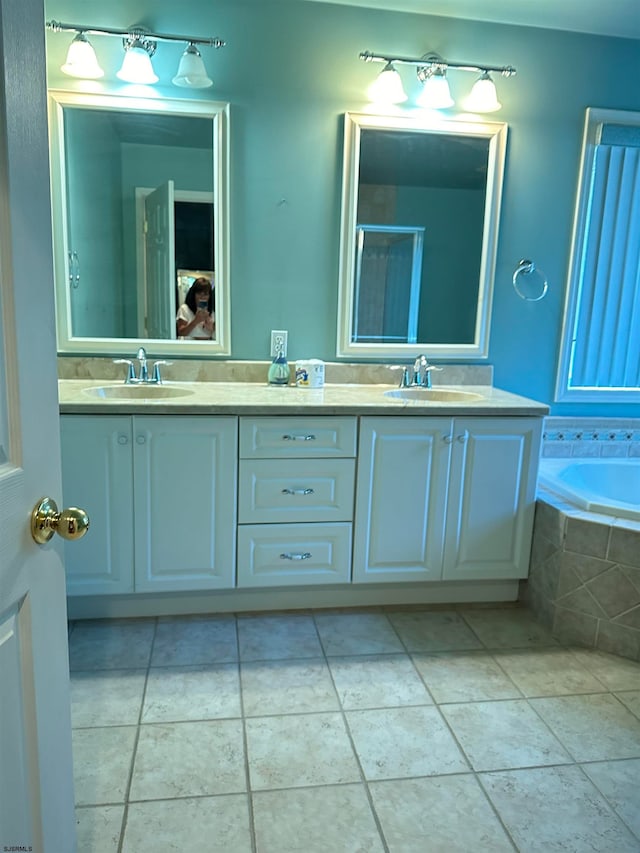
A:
<point x="268" y="438"/>
<point x="279" y="490"/>
<point x="293" y="554"/>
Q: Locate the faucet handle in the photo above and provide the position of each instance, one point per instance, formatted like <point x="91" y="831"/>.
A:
<point x="142" y="354"/>
<point x="156" y="371"/>
<point x="130" y="377"/>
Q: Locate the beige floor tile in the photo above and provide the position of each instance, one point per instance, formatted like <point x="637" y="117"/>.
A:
<point x="508" y="628"/>
<point x="556" y="809"/>
<point x="188" y="759"/>
<point x="111" y="644"/>
<point x="631" y="699"/>
<point x="464" y="677"/>
<point x="444" y="813"/>
<point x="614" y="672"/>
<point x="106" y="697"/>
<point x="101" y="764"/>
<point x="187" y="641"/>
<point x="278" y="636"/>
<point x="315" y="820"/>
<point x="357" y="634"/>
<point x="98" y="828"/>
<point x="287" y="687"/>
<point x="505" y="734"/>
<point x="378" y="681"/>
<point x="299" y="750"/>
<point x="619" y="782"/>
<point x="594" y="727"/>
<point x="433" y="631"/>
<point x="548" y="672"/>
<point x="205" y="692"/>
<point x="398" y="743"/>
<point x="211" y="824"/>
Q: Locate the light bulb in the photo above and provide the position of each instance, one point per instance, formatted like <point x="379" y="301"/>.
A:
<point x="483" y="97"/>
<point x="387" y="87"/>
<point x="81" y="60"/>
<point x="137" y="67"/>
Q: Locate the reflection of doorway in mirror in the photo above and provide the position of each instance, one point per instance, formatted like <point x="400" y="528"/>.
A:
<point x="387" y="283"/>
<point x="185" y="242"/>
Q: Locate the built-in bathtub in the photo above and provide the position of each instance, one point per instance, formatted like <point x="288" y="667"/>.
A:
<point x="584" y="574"/>
<point x="608" y="486"/>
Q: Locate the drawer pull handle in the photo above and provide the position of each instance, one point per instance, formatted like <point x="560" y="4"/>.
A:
<point x="305" y="556"/>
<point x="298" y="438"/>
<point x="297" y="491"/>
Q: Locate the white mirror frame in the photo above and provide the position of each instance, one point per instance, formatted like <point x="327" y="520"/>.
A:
<point x="496" y="133"/>
<point x="218" y="112"/>
<point x="567" y="392"/>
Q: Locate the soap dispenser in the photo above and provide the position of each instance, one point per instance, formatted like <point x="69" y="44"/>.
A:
<point x="279" y="372"/>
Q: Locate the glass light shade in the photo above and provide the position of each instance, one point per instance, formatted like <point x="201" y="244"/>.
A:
<point x="483" y="97"/>
<point x="81" y="60"/>
<point x="435" y="93"/>
<point x="191" y="72"/>
<point x="137" y="67"/>
<point x="387" y="88"/>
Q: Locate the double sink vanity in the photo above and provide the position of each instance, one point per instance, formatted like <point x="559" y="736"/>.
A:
<point x="210" y="496"/>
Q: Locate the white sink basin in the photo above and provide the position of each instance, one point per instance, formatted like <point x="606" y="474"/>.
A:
<point x="137" y="392"/>
<point x="434" y="395"/>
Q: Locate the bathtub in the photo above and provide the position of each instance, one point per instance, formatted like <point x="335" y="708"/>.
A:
<point x="608" y="486"/>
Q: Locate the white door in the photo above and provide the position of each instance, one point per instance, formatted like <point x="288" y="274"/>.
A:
<point x="36" y="781"/>
<point x="160" y="262"/>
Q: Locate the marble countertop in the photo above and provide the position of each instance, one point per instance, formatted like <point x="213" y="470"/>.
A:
<point x="79" y="396"/>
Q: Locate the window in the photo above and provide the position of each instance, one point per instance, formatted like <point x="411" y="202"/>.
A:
<point x="600" y="355"/>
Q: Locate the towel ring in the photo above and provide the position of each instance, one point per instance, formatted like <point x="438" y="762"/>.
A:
<point x="528" y="268"/>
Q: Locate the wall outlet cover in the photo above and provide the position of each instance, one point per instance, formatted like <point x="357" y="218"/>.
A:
<point x="278" y="342"/>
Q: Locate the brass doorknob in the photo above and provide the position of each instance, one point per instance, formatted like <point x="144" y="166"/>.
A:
<point x="71" y="523"/>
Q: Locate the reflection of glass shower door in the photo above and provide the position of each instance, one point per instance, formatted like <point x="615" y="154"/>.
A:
<point x="387" y="285"/>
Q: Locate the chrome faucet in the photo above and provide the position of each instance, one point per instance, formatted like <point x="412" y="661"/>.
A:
<point x="143" y="375"/>
<point x="420" y="375"/>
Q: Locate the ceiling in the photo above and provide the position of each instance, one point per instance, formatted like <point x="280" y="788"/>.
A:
<point x="613" y="18"/>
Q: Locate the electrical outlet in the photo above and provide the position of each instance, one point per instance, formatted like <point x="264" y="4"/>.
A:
<point x="278" y="343"/>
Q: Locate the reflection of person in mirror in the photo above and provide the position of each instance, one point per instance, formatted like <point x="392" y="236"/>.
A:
<point x="196" y="316"/>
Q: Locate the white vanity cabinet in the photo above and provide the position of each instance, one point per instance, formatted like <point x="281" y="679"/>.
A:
<point x="295" y="500"/>
<point x="162" y="497"/>
<point x="445" y="498"/>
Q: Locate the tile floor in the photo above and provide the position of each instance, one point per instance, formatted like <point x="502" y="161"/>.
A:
<point x="402" y="730"/>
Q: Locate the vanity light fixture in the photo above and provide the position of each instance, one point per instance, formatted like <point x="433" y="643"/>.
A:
<point x="139" y="46"/>
<point x="431" y="70"/>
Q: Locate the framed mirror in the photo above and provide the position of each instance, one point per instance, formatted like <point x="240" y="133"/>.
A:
<point x="140" y="211"/>
<point x="420" y="213"/>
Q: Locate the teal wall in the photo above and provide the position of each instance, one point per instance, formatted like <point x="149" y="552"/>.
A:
<point x="291" y="69"/>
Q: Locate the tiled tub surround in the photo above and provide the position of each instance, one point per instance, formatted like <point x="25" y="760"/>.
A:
<point x="579" y="437"/>
<point x="584" y="577"/>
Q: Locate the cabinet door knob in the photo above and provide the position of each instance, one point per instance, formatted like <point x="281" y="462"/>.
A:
<point x="297" y="491"/>
<point x="447" y="439"/>
<point x="70" y="523"/>
<point x="122" y="439"/>
<point x="462" y="437"/>
<point x="140" y="439"/>
<point x="304" y="556"/>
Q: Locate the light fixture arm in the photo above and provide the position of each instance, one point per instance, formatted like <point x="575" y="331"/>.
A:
<point x="431" y="62"/>
<point x="134" y="35"/>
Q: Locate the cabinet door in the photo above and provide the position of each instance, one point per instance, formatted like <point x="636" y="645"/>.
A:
<point x="185" y="502"/>
<point x="491" y="498"/>
<point x="97" y="474"/>
<point x="401" y="496"/>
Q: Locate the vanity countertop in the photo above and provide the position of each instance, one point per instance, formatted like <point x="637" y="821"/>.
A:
<point x="78" y="396"/>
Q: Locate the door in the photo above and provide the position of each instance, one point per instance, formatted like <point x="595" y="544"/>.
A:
<point x="160" y="262"/>
<point x="403" y="469"/>
<point x="492" y="497"/>
<point x="36" y="781"/>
